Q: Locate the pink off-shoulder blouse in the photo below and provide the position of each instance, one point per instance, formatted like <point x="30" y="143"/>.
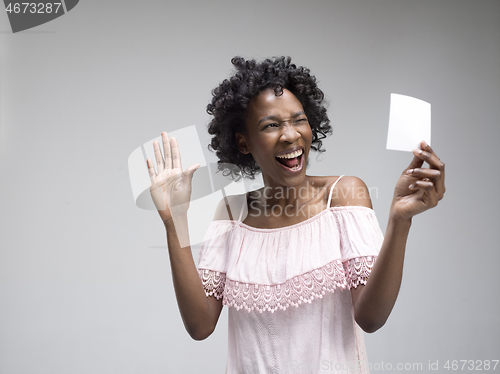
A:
<point x="288" y="290"/>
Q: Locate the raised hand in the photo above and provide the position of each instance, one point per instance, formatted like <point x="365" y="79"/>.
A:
<point x="170" y="186"/>
<point x="419" y="189"/>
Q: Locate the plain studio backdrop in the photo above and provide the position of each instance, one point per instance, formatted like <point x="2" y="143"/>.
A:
<point x="85" y="283"/>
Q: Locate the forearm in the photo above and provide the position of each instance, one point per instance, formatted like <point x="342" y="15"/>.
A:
<point x="417" y="190"/>
<point x="377" y="298"/>
<point x="194" y="306"/>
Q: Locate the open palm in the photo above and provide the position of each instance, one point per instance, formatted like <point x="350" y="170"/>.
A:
<point x="170" y="186"/>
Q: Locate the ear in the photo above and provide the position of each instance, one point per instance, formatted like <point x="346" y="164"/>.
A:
<point x="241" y="143"/>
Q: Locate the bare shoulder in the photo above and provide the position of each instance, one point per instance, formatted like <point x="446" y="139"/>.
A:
<point x="350" y="191"/>
<point x="229" y="208"/>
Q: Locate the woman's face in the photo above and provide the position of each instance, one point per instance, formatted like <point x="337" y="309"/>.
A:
<point x="278" y="137"/>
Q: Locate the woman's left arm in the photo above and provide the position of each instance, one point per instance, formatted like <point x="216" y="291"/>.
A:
<point x="417" y="190"/>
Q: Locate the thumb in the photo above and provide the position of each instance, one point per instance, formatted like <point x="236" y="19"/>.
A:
<point x="415" y="163"/>
<point x="190" y="170"/>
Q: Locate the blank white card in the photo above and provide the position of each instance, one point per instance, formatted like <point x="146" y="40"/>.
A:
<point x="409" y="123"/>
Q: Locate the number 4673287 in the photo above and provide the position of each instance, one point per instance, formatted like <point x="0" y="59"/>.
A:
<point x="33" y="7"/>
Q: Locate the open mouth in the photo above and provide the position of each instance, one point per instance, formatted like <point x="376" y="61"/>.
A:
<point x="291" y="161"/>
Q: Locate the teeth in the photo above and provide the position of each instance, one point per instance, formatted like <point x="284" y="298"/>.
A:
<point x="291" y="155"/>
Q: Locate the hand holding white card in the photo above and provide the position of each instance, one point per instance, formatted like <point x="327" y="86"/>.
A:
<point x="409" y="123"/>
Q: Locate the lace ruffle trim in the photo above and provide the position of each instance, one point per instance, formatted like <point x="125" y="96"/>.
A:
<point x="358" y="269"/>
<point x="303" y="288"/>
<point x="213" y="282"/>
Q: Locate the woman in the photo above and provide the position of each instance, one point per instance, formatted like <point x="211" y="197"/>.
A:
<point x="295" y="260"/>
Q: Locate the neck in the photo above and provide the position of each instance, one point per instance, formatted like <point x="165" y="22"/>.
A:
<point x="273" y="194"/>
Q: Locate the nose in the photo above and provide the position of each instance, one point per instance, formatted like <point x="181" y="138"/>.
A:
<point x="289" y="133"/>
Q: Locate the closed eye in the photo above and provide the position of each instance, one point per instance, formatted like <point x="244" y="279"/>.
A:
<point x="270" y="125"/>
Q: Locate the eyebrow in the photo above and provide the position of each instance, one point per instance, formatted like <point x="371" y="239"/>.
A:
<point x="294" y="115"/>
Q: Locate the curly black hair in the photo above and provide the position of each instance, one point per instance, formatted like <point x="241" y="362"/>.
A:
<point x="231" y="98"/>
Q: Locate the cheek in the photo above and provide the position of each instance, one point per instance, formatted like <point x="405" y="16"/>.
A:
<point x="265" y="141"/>
<point x="308" y="134"/>
<point x="261" y="148"/>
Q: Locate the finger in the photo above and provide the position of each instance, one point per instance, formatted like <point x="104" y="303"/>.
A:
<point x="166" y="150"/>
<point x="176" y="156"/>
<point x="428" y="192"/>
<point x="190" y="171"/>
<point x="415" y="163"/>
<point x="429" y="158"/>
<point x="435" y="163"/>
<point x="158" y="156"/>
<point x="430" y="196"/>
<point x="422" y="185"/>
<point x="436" y="176"/>
<point x="151" y="170"/>
<point x="428" y="155"/>
<point x="433" y="174"/>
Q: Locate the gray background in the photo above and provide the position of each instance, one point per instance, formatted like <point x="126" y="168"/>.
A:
<point x="85" y="284"/>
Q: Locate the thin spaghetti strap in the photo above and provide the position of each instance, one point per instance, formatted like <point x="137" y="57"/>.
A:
<point x="331" y="190"/>
<point x="243" y="207"/>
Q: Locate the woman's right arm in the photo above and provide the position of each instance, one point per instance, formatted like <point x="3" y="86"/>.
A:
<point x="171" y="193"/>
<point x="199" y="312"/>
